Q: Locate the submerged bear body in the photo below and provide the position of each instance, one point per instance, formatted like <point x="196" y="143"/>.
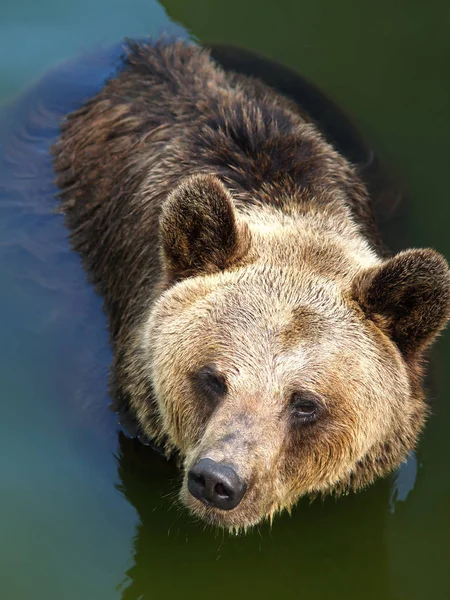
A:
<point x="258" y="330"/>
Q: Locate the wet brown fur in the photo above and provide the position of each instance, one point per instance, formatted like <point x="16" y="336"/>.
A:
<point x="221" y="228"/>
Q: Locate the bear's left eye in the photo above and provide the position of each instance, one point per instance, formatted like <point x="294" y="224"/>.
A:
<point x="306" y="407"/>
<point x="210" y="382"/>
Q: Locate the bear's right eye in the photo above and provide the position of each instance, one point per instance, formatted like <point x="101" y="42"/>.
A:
<point x="210" y="382"/>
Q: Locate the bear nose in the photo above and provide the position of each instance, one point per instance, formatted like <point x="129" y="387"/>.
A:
<point x="215" y="484"/>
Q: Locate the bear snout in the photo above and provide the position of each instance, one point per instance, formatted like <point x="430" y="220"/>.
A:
<point x="216" y="484"/>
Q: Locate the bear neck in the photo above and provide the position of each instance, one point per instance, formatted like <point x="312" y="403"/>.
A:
<point x="325" y="239"/>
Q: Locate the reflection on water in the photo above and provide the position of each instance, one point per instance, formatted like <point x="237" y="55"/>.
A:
<point x="88" y="513"/>
<point x="403" y="482"/>
<point x="337" y="539"/>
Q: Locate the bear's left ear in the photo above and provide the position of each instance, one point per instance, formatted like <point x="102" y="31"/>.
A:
<point x="200" y="231"/>
<point x="408" y="296"/>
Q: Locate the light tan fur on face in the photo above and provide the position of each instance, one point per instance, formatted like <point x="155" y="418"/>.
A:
<point x="243" y="321"/>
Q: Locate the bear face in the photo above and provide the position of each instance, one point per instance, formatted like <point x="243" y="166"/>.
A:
<point x="269" y="359"/>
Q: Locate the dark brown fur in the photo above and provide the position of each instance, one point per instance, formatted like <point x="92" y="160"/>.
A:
<point x="222" y="229"/>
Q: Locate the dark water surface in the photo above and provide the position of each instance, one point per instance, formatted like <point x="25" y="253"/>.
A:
<point x="86" y="514"/>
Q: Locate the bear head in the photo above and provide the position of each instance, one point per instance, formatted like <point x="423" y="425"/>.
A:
<point x="281" y="357"/>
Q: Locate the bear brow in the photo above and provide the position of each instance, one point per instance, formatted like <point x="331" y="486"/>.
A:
<point x="305" y="324"/>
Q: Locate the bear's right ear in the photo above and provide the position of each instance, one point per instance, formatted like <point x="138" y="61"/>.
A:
<point x="199" y="229"/>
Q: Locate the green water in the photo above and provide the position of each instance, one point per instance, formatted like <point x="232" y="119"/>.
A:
<point x="87" y="515"/>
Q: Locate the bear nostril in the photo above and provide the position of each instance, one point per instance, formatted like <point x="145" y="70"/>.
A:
<point x="215" y="484"/>
<point x="220" y="490"/>
<point x="199" y="479"/>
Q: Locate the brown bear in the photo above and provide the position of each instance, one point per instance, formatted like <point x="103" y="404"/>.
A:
<point x="259" y="331"/>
